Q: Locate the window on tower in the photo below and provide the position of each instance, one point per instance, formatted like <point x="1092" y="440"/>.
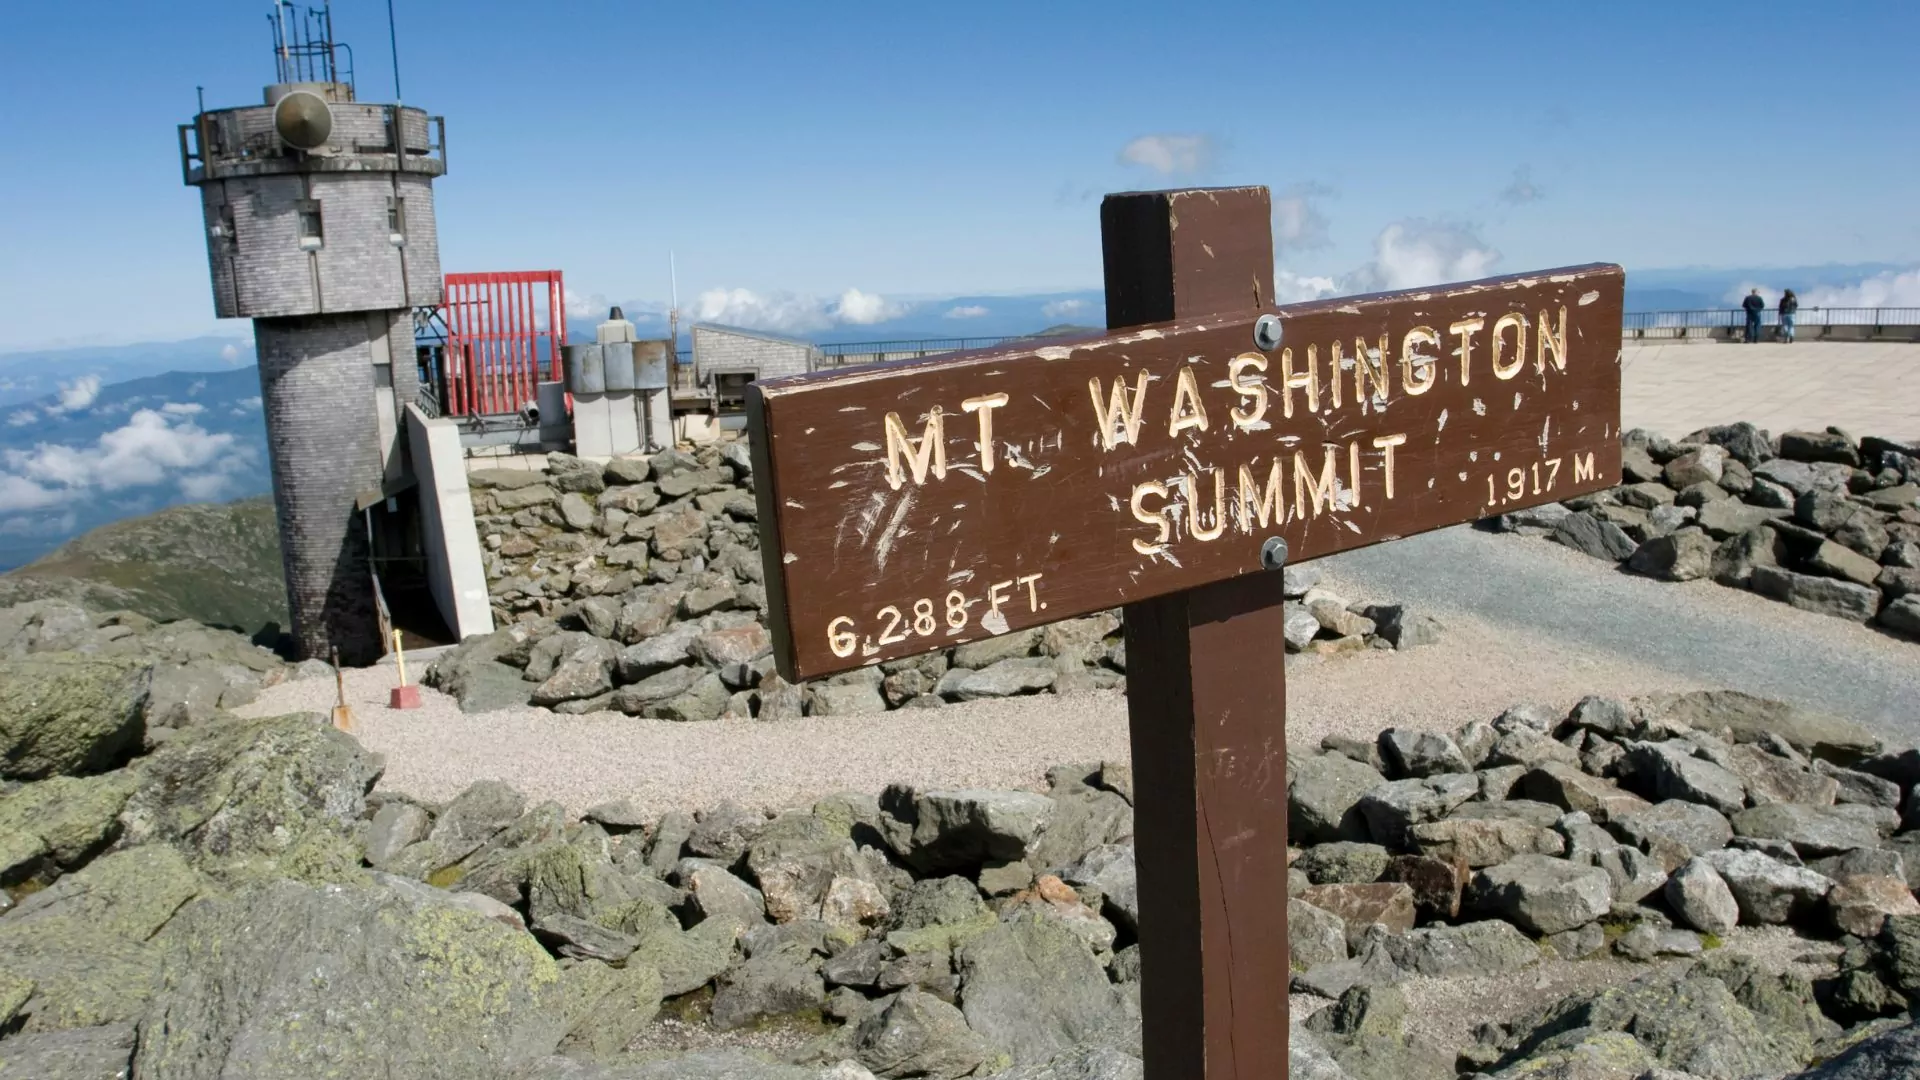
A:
<point x="397" y="219"/>
<point x="312" y="233"/>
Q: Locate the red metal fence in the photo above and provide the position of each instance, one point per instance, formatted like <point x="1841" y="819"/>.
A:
<point x="505" y="332"/>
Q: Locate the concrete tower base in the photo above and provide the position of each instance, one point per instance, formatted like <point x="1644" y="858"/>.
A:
<point x="332" y="409"/>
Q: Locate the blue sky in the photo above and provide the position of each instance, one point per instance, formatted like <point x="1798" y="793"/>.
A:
<point x="908" y="149"/>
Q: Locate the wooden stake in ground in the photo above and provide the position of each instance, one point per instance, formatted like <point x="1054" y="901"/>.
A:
<point x="1173" y="467"/>
<point x="342" y="716"/>
<point x="402" y="696"/>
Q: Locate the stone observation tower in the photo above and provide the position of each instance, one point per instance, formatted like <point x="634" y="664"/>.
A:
<point x="319" y="225"/>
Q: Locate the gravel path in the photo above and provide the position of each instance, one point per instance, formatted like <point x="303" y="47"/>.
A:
<point x="1525" y="621"/>
<point x="1575" y="608"/>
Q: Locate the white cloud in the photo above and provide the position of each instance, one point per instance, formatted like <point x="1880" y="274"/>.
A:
<point x="152" y="448"/>
<point x="22" y="418"/>
<point x="788" y="313"/>
<point x="206" y="487"/>
<point x="866" y="308"/>
<point x="77" y="394"/>
<point x="1890" y="289"/>
<point x="967" y="311"/>
<point x="1417" y="252"/>
<point x="17" y="493"/>
<point x="196" y="386"/>
<point x="253" y="402"/>
<point x="1298" y="225"/>
<point x="585" y="305"/>
<point x="183" y="408"/>
<point x="1059" y="308"/>
<point x="1739" y="292"/>
<point x="1169" y="154"/>
<point x="1522" y="190"/>
<point x="230" y="353"/>
<point x="1292" y="288"/>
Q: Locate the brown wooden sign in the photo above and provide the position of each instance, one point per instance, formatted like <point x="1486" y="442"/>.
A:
<point x="911" y="506"/>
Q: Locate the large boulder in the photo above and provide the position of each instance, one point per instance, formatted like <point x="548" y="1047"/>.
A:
<point x="916" y="1034"/>
<point x="94" y="1053"/>
<point x="1813" y="831"/>
<point x="60" y="822"/>
<point x="289" y="980"/>
<point x="1768" y="890"/>
<point x="1323" y="795"/>
<point x="69" y="715"/>
<point x="86" y="942"/>
<point x="1543" y="895"/>
<point x="276" y="796"/>
<point x="1697" y="893"/>
<point x="1751" y="719"/>
<point x="1033" y="986"/>
<point x="1489" y="947"/>
<point x="955" y="830"/>
<point x="1890" y="1055"/>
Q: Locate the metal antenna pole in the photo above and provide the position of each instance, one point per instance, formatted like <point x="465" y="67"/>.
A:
<point x="393" y="42"/>
<point x="673" y="312"/>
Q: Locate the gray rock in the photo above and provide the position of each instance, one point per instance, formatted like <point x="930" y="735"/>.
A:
<point x="1006" y="678"/>
<point x="1484" y="842"/>
<point x="1033" y="987"/>
<point x="1342" y="861"/>
<point x="1323" y="795"/>
<point x="1780" y="778"/>
<point x="944" y="831"/>
<point x="770" y="983"/>
<point x="1801" y="477"/>
<point x="1750" y="719"/>
<point x="845" y="699"/>
<point x="1543" y="895"/>
<point x="1092" y="1062"/>
<point x="1394" y="808"/>
<point x="1890" y="1055"/>
<point x="989" y="651"/>
<point x="1578" y="943"/>
<point x="1683" y="555"/>
<point x="1701" y="898"/>
<point x="1314" y="936"/>
<point x="1110" y="868"/>
<point x="1559" y="784"/>
<point x="1862" y="862"/>
<point x="1647" y="943"/>
<point x="917" y="1034"/>
<point x="1587" y="534"/>
<point x="1705" y="465"/>
<point x="1821" y="595"/>
<point x="1812" y="830"/>
<point x="1474" y="949"/>
<point x="89" y="1053"/>
<point x="394" y="826"/>
<point x="1298" y="628"/>
<point x="1768" y="891"/>
<point x="1371" y="965"/>
<point x="1539" y="814"/>
<point x="725" y="832"/>
<point x="351" y="962"/>
<point x="715" y="894"/>
<point x="1410" y="753"/>
<point x="1903" y="615"/>
<point x="1401" y="628"/>
<point x="1667" y="770"/>
<point x="63" y="714"/>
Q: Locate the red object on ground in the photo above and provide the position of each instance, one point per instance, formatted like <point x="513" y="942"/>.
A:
<point x="404" y="697"/>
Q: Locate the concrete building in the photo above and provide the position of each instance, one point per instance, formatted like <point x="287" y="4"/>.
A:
<point x="320" y="228"/>
<point x="727" y="358"/>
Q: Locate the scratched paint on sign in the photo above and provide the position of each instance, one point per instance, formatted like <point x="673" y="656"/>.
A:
<point x="911" y="506"/>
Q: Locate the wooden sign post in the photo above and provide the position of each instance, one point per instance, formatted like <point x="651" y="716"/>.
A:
<point x="1172" y="466"/>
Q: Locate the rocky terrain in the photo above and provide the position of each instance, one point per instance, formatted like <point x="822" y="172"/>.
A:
<point x="193" y="894"/>
<point x="636" y="586"/>
<point x="1816" y="519"/>
<point x="216" y="564"/>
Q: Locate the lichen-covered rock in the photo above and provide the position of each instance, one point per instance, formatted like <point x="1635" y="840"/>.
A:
<point x="1032" y="986"/>
<point x="958" y="830"/>
<point x="61" y="821"/>
<point x="1314" y="936"/>
<point x="85" y="942"/>
<point x="290" y="981"/>
<point x="63" y="714"/>
<point x="607" y="1007"/>
<point x="1490" y="947"/>
<point x="248" y="797"/>
<point x="916" y="1034"/>
<point x="92" y="1053"/>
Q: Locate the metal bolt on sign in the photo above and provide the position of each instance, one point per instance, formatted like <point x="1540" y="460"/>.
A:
<point x="1267" y="332"/>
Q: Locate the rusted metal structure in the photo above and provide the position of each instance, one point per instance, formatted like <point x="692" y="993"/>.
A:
<point x="506" y="332"/>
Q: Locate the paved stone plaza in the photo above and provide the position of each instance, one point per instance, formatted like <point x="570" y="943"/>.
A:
<point x="1866" y="388"/>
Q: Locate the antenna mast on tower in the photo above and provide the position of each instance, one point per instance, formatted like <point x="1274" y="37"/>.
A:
<point x="673" y="312"/>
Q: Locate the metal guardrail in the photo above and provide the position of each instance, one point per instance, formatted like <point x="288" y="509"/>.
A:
<point x="922" y="347"/>
<point x="1735" y="317"/>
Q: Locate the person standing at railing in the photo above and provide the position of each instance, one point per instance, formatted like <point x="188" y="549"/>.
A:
<point x="1789" y="306"/>
<point x="1754" y="306"/>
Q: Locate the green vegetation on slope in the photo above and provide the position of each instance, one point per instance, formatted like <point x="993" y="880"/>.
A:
<point x="216" y="564"/>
